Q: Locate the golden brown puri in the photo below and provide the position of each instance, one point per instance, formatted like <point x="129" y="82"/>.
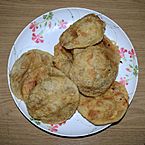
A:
<point x="27" y="62"/>
<point x="105" y="109"/>
<point x="87" y="31"/>
<point x="62" y="59"/>
<point x="112" y="50"/>
<point x="93" y="71"/>
<point x="32" y="78"/>
<point x="36" y="76"/>
<point x="54" y="100"/>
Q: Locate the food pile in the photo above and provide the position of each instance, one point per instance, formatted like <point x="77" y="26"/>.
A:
<point x="80" y="76"/>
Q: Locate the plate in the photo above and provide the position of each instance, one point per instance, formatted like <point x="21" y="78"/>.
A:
<point x="43" y="33"/>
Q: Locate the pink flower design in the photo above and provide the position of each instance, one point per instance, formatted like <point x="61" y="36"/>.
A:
<point x="33" y="26"/>
<point x="123" y="81"/>
<point x="54" y="127"/>
<point x="62" y="24"/>
<point x="37" y="38"/>
<point x="132" y="53"/>
<point x="122" y="51"/>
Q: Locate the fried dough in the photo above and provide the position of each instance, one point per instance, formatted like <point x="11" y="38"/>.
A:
<point x="27" y="62"/>
<point x="62" y="59"/>
<point x="112" y="50"/>
<point x="31" y="79"/>
<point x="54" y="100"/>
<point x="105" y="109"/>
<point x="87" y="31"/>
<point x="93" y="71"/>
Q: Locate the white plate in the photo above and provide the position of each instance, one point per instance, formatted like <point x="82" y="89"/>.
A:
<point x="43" y="33"/>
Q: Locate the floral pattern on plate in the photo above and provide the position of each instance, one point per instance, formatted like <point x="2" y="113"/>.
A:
<point x="38" y="30"/>
<point x="128" y="57"/>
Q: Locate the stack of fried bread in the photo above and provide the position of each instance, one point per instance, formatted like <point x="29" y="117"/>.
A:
<point x="80" y="76"/>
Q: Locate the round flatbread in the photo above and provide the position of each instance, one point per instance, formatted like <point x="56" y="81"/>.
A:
<point x="111" y="49"/>
<point x="93" y="71"/>
<point x="27" y="62"/>
<point x="53" y="101"/>
<point x="62" y="59"/>
<point x="36" y="76"/>
<point x="87" y="31"/>
<point x="105" y="109"/>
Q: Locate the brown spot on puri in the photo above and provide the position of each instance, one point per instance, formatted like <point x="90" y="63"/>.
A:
<point x="99" y="103"/>
<point x="83" y="34"/>
<point x="73" y="33"/>
<point x="29" y="86"/>
<point x="125" y="102"/>
<point x="118" y="93"/>
<point x="92" y="73"/>
<point x="107" y="97"/>
<point x="93" y="114"/>
<point x="89" y="58"/>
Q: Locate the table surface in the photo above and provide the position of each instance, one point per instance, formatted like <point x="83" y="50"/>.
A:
<point x="14" y="16"/>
